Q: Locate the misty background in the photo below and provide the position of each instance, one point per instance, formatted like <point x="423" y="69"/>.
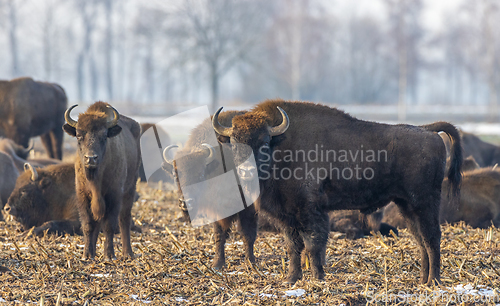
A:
<point x="387" y="59"/>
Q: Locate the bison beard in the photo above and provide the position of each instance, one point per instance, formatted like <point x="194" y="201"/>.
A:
<point x="411" y="176"/>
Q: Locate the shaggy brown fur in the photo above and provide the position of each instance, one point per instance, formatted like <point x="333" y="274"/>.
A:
<point x="106" y="187"/>
<point x="19" y="155"/>
<point x="8" y="176"/>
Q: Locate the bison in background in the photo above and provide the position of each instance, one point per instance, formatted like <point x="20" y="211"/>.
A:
<point x="106" y="170"/>
<point x="8" y="176"/>
<point x="29" y="108"/>
<point x="485" y="154"/>
<point x="411" y="175"/>
<point x="479" y="204"/>
<point x="196" y="162"/>
<point x="357" y="225"/>
<point x="19" y="155"/>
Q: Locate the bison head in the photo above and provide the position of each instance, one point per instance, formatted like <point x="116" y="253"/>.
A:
<point x="251" y="133"/>
<point x="27" y="203"/>
<point x="190" y="166"/>
<point x="92" y="131"/>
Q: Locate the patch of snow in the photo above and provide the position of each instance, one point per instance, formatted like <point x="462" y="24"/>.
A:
<point x="297" y="292"/>
<point x="136" y="297"/>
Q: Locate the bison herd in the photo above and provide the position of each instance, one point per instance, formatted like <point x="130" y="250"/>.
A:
<point x="366" y="177"/>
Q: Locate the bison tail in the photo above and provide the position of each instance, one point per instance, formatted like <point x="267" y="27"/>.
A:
<point x="455" y="170"/>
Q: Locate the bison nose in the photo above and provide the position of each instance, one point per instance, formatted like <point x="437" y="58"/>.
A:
<point x="91" y="160"/>
<point x="247" y="171"/>
<point x="9" y="209"/>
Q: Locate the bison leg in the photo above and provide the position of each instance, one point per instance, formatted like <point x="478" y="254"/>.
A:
<point x="315" y="244"/>
<point x="90" y="229"/>
<point x="125" y="219"/>
<point x="248" y="222"/>
<point x="47" y="144"/>
<point x="59" y="228"/>
<point x="221" y="232"/>
<point x="56" y="136"/>
<point x="110" y="222"/>
<point x="295" y="245"/>
<point x="424" y="225"/>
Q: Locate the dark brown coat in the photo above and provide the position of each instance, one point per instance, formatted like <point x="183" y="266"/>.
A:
<point x="485" y="154"/>
<point x="29" y="108"/>
<point x="46" y="199"/>
<point x="411" y="174"/>
<point x="20" y="154"/>
<point x="106" y="169"/>
<point x="8" y="176"/>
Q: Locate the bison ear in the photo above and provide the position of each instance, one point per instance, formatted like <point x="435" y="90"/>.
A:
<point x="69" y="129"/>
<point x="223" y="139"/>
<point x="113" y="131"/>
<point x="45" y="182"/>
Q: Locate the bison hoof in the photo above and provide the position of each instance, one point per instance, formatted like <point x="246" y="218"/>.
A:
<point x="292" y="279"/>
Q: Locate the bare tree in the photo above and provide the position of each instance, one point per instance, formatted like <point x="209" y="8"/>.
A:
<point x="11" y="20"/>
<point x="108" y="49"/>
<point x="218" y="33"/>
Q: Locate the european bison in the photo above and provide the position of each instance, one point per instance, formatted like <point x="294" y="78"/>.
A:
<point x="46" y="199"/>
<point x="20" y="154"/>
<point x="402" y="163"/>
<point x="199" y="160"/>
<point x="106" y="171"/>
<point x="479" y="201"/>
<point x="29" y="108"/>
<point x="8" y="176"/>
<point x="357" y="225"/>
<point x="485" y="154"/>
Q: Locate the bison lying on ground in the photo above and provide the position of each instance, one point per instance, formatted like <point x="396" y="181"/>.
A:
<point x="479" y="201"/>
<point x="407" y="166"/>
<point x="29" y="108"/>
<point x="106" y="171"/>
<point x="46" y="199"/>
<point x="357" y="225"/>
<point x="199" y="160"/>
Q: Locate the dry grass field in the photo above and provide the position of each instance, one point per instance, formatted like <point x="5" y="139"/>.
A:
<point x="173" y="267"/>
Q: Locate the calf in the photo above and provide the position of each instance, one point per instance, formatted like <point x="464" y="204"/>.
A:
<point x="106" y="171"/>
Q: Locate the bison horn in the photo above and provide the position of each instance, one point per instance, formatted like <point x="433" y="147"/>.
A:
<point x="165" y="153"/>
<point x="34" y="174"/>
<point x="211" y="156"/>
<point x="31" y="146"/>
<point x="219" y="128"/>
<point x="68" y="118"/>
<point x="280" y="129"/>
<point x="116" y="116"/>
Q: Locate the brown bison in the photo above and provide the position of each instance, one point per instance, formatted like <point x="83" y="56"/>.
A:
<point x="46" y="199"/>
<point x="357" y="225"/>
<point x="8" y="176"/>
<point x="402" y="163"/>
<point x="479" y="201"/>
<point x="106" y="171"/>
<point x="199" y="160"/>
<point x="19" y="155"/>
<point x="29" y="108"/>
<point x="485" y="154"/>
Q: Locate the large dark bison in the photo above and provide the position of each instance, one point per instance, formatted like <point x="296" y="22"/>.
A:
<point x="201" y="159"/>
<point x="46" y="199"/>
<point x="354" y="164"/>
<point x="106" y="171"/>
<point x="479" y="201"/>
<point x="29" y="108"/>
